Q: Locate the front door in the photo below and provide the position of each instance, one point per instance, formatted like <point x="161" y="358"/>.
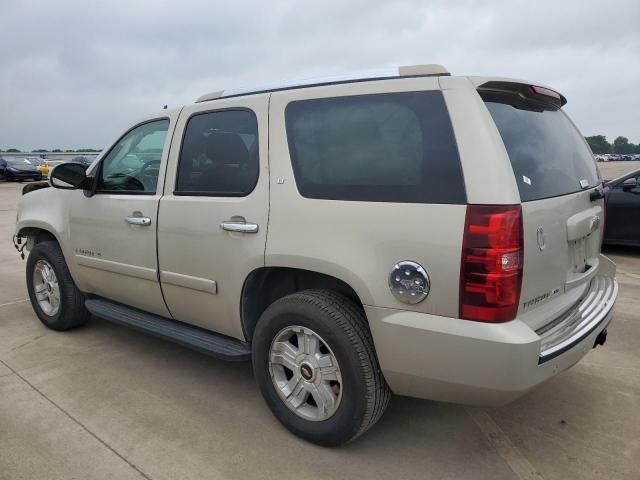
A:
<point x="213" y="216"/>
<point x="113" y="233"/>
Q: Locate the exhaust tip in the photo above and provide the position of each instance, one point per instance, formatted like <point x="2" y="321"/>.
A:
<point x="601" y="338"/>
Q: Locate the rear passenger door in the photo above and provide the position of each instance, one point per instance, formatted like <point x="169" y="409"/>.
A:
<point x="213" y="217"/>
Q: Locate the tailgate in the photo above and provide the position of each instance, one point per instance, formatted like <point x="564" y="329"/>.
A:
<point x="555" y="172"/>
<point x="562" y="238"/>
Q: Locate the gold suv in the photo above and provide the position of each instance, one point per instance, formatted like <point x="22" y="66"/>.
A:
<point x="412" y="232"/>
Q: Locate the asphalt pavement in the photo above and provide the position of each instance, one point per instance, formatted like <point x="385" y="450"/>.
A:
<point x="104" y="402"/>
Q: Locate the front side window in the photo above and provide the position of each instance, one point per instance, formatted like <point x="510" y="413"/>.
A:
<point x="133" y="163"/>
<point x="394" y="147"/>
<point x="219" y="155"/>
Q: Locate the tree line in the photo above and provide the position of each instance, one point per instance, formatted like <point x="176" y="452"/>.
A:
<point x="621" y="145"/>
<point x="56" y="150"/>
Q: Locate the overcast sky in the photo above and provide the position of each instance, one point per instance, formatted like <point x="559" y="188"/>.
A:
<point x="75" y="73"/>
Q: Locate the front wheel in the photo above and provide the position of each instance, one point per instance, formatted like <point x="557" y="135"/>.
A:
<point x="54" y="296"/>
<point x="314" y="361"/>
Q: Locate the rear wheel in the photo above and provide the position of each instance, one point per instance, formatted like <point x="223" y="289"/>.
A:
<point x="314" y="361"/>
<point x="55" y="298"/>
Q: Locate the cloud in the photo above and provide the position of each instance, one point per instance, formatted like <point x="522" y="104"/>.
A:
<point x="76" y="73"/>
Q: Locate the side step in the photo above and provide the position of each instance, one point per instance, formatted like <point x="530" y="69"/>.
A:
<point x="214" y="344"/>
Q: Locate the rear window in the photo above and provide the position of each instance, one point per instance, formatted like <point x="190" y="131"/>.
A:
<point x="395" y="147"/>
<point x="548" y="155"/>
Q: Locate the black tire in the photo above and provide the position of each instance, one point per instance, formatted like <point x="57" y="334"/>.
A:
<point x="343" y="327"/>
<point x="71" y="313"/>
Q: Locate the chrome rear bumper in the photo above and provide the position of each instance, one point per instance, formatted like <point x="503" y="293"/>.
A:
<point x="583" y="318"/>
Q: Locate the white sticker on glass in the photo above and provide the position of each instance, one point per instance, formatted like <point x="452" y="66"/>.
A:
<point x="526" y="180"/>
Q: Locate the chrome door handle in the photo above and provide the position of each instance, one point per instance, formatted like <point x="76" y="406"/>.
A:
<point x="142" y="221"/>
<point x="241" y="227"/>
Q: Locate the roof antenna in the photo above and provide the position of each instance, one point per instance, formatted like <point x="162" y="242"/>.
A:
<point x="164" y="108"/>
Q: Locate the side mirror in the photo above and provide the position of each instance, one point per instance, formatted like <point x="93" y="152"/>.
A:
<point x="68" y="176"/>
<point x="629" y="184"/>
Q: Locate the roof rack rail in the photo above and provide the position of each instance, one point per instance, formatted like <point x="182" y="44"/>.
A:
<point x="428" y="70"/>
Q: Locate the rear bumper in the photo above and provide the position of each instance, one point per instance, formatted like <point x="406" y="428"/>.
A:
<point x="453" y="360"/>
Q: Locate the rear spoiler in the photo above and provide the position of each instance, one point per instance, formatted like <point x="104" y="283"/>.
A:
<point x="521" y="95"/>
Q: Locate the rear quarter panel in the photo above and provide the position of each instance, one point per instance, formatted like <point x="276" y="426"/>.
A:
<point x="360" y="242"/>
<point x="487" y="170"/>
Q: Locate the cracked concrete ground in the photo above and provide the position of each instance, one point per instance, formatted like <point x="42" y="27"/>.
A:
<point x="106" y="402"/>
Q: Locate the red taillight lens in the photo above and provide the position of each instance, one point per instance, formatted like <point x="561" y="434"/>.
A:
<point x="491" y="267"/>
<point x="545" y="91"/>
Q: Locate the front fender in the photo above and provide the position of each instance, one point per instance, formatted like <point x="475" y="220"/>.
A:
<point x="46" y="210"/>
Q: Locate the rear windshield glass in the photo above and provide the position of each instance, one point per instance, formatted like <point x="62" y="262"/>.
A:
<point x="395" y="147"/>
<point x="547" y="153"/>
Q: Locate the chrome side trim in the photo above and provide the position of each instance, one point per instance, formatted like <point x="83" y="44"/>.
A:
<point x="561" y="334"/>
<point x="187" y="281"/>
<point x="145" y="273"/>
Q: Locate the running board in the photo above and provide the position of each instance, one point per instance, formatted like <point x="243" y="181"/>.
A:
<point x="214" y="344"/>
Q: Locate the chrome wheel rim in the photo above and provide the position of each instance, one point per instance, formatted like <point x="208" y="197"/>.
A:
<point x="46" y="288"/>
<point x="305" y="373"/>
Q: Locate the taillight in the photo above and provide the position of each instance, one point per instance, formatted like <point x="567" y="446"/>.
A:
<point x="545" y="91"/>
<point x="491" y="267"/>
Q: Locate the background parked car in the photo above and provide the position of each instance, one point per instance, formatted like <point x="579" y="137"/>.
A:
<point x="14" y="169"/>
<point x="623" y="210"/>
<point x="84" y="161"/>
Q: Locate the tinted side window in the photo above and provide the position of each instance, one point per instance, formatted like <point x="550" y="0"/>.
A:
<point x="395" y="147"/>
<point x="548" y="155"/>
<point x="219" y="155"/>
<point x="133" y="163"/>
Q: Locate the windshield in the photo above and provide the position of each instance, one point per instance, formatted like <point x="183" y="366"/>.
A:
<point x="548" y="154"/>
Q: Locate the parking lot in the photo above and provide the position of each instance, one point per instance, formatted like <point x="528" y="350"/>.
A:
<point x="611" y="170"/>
<point x="107" y="402"/>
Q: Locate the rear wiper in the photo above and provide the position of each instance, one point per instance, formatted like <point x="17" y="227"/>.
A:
<point x="598" y="193"/>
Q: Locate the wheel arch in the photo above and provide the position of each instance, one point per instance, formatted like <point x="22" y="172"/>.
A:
<point x="37" y="234"/>
<point x="265" y="285"/>
<point x="36" y="231"/>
